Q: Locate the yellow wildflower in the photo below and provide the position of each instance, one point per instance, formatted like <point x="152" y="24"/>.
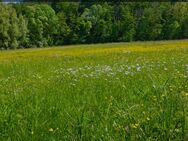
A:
<point x="51" y="130"/>
<point x="136" y="125"/>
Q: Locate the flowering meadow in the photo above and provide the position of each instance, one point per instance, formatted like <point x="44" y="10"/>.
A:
<point x="119" y="91"/>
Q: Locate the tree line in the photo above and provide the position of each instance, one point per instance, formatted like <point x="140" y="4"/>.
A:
<point x="26" y="25"/>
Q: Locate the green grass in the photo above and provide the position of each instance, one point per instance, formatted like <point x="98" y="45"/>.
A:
<point x="125" y="91"/>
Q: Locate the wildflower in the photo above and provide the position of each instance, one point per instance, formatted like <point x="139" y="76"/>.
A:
<point x="148" y="118"/>
<point x="138" y="68"/>
<point x="51" y="130"/>
<point x="126" y="72"/>
<point x="136" y="125"/>
<point x="177" y="130"/>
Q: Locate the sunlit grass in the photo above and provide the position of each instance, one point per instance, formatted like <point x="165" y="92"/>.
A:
<point x="99" y="49"/>
<point x="118" y="91"/>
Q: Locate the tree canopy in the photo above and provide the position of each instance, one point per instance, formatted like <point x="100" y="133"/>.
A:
<point x="25" y="25"/>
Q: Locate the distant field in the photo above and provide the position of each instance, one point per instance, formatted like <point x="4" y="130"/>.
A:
<point x="119" y="91"/>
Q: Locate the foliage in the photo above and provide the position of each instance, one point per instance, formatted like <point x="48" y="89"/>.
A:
<point x="58" y="23"/>
<point x="9" y="31"/>
<point x="149" y="26"/>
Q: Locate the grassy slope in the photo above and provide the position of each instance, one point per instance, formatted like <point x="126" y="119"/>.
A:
<point x="131" y="91"/>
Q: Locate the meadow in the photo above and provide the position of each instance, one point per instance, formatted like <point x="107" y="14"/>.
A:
<point x="116" y="91"/>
